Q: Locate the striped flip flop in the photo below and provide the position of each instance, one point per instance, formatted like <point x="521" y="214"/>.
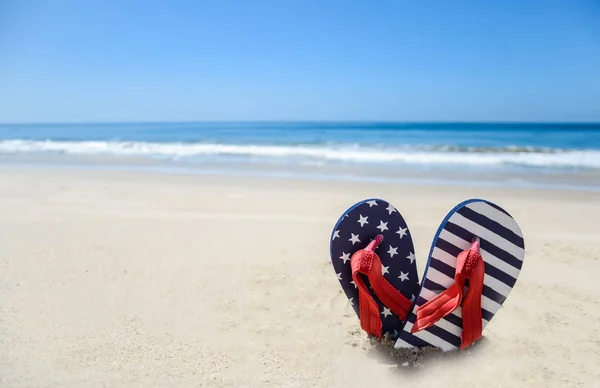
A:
<point x="474" y="262"/>
<point x="373" y="257"/>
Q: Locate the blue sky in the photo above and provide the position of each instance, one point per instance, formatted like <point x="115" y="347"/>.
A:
<point x="74" y="61"/>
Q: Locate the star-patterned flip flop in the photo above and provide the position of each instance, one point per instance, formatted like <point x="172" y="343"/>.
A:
<point x="474" y="262"/>
<point x="373" y="257"/>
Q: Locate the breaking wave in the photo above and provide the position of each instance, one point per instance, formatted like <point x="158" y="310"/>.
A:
<point x="445" y="155"/>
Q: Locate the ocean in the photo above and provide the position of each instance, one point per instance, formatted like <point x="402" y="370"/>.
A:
<point x="390" y="148"/>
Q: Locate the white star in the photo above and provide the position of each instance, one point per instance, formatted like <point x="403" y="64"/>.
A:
<point x="390" y="209"/>
<point x="351" y="302"/>
<point x="386" y="311"/>
<point x="382" y="226"/>
<point x="411" y="257"/>
<point x="372" y="203"/>
<point x="345" y="256"/>
<point x="402" y="232"/>
<point x="354" y="238"/>
<point x="362" y="220"/>
<point x="339" y="275"/>
<point x="336" y="234"/>
<point x="392" y="251"/>
<point x="354" y="284"/>
<point x="412" y="297"/>
<point x="403" y="276"/>
<point x="384" y="269"/>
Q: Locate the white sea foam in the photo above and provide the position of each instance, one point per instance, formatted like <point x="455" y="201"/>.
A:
<point x="316" y="154"/>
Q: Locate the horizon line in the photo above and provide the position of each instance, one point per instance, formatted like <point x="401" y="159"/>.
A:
<point x="471" y="122"/>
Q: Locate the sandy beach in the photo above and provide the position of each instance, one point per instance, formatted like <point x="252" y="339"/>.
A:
<point x="131" y="279"/>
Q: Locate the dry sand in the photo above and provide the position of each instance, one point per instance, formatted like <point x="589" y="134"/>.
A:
<point x="123" y="279"/>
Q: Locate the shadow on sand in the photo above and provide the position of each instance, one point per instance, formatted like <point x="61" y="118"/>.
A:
<point x="407" y="360"/>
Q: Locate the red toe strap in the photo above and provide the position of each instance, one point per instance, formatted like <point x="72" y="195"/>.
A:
<point x="470" y="266"/>
<point x="367" y="262"/>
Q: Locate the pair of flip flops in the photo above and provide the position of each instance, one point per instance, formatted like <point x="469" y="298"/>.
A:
<point x="473" y="264"/>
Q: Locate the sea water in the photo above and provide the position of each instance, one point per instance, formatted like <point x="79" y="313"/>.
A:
<point x="500" y="147"/>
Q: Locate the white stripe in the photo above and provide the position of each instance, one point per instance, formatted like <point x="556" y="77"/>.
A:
<point x="490" y="305"/>
<point x="496" y="215"/>
<point x="500" y="264"/>
<point x="444" y="256"/>
<point x="447" y="258"/>
<point x="449" y="327"/>
<point x="488" y="235"/>
<point x="434" y="340"/>
<point x="401" y="344"/>
<point x="496" y="285"/>
<point x="440" y="278"/>
<point x="454" y="240"/>
<point x="458" y="312"/>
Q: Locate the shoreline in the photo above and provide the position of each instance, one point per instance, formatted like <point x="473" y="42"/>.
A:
<point x="586" y="181"/>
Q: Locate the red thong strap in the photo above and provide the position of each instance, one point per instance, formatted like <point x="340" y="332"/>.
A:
<point x="470" y="266"/>
<point x="366" y="262"/>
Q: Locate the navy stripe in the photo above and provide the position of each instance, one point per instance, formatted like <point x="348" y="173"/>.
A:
<point x="492" y="225"/>
<point x="500" y="253"/>
<point x="485" y="245"/>
<point x="411" y="318"/>
<point x="445" y="335"/>
<point x="442" y="267"/>
<point x="414" y="340"/>
<point x="500" y="275"/>
<point x="430" y="285"/>
<point x="493" y="295"/>
<point x="421" y="301"/>
<point x="497" y="208"/>
<point x="455" y="320"/>
<point x="459" y="232"/>
<point x="486" y="315"/>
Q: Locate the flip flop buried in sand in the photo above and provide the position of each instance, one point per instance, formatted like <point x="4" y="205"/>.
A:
<point x="473" y="264"/>
<point x="475" y="259"/>
<point x="373" y="257"/>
